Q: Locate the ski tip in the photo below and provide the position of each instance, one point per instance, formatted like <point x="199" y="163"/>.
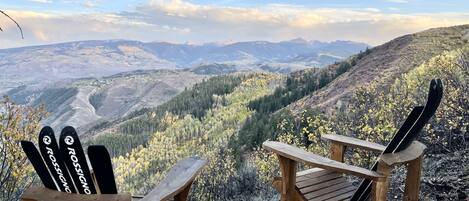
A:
<point x="68" y="130"/>
<point x="433" y="84"/>
<point x="436" y="84"/>
<point x="25" y="143"/>
<point x="47" y="129"/>
<point x="46" y="135"/>
<point x="68" y="136"/>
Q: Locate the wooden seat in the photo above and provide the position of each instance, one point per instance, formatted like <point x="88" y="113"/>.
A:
<point x="320" y="184"/>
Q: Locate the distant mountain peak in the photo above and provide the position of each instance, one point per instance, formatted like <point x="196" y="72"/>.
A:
<point x="298" y="40"/>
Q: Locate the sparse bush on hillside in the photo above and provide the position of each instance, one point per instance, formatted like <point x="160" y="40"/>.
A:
<point x="16" y="123"/>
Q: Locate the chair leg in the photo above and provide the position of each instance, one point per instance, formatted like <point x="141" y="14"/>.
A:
<point x="184" y="194"/>
<point x="412" y="183"/>
<point x="288" y="171"/>
<point x="337" y="152"/>
<point x="380" y="188"/>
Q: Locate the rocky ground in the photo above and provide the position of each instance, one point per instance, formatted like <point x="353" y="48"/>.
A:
<point x="445" y="177"/>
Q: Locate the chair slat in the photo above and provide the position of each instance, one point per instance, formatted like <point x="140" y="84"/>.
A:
<point x="354" y="142"/>
<point x="312" y="175"/>
<point x="327" y="190"/>
<point x="308" y="171"/>
<point x="334" y="194"/>
<point x="323" y="185"/>
<point x="316" y="180"/>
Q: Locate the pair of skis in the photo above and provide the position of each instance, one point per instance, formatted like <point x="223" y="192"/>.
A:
<point x="65" y="168"/>
<point x="408" y="132"/>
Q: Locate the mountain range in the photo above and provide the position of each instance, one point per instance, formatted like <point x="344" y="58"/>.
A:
<point x="38" y="64"/>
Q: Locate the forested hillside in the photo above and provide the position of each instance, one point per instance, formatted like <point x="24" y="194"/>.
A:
<point x="122" y="135"/>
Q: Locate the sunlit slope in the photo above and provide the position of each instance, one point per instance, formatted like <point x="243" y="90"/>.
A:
<point x="208" y="137"/>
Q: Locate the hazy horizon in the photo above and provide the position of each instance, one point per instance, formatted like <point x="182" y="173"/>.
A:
<point x="221" y="43"/>
<point x="204" y="21"/>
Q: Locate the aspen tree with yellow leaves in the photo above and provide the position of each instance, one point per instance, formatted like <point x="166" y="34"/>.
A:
<point x="16" y="123"/>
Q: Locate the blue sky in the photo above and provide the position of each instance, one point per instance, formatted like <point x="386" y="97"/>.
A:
<point x="404" y="6"/>
<point x="198" y="21"/>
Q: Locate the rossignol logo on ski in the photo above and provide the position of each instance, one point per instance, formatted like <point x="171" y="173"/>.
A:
<point x="69" y="140"/>
<point x="46" y="140"/>
<point x="76" y="164"/>
<point x="52" y="158"/>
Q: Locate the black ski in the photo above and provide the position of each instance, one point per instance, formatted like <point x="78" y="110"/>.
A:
<point x="51" y="154"/>
<point x="102" y="167"/>
<point x="74" y="157"/>
<point x="403" y="138"/>
<point x="36" y="160"/>
<point x="364" y="189"/>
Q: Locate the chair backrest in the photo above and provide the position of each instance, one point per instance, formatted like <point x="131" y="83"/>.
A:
<point x="407" y="132"/>
<point x="65" y="168"/>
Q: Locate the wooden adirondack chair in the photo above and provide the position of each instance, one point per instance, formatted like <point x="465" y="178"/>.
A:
<point x="175" y="186"/>
<point x="326" y="181"/>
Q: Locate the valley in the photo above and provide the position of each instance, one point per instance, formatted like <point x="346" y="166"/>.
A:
<point x="87" y="102"/>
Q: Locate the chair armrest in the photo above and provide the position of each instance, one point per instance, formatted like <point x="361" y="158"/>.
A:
<point x="177" y="180"/>
<point x="299" y="155"/>
<point x="414" y="151"/>
<point x="353" y="142"/>
<point x="36" y="193"/>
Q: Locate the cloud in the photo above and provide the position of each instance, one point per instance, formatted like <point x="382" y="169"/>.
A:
<point x="41" y="1"/>
<point x="180" y="21"/>
<point x="88" y="4"/>
<point x="398" y="1"/>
